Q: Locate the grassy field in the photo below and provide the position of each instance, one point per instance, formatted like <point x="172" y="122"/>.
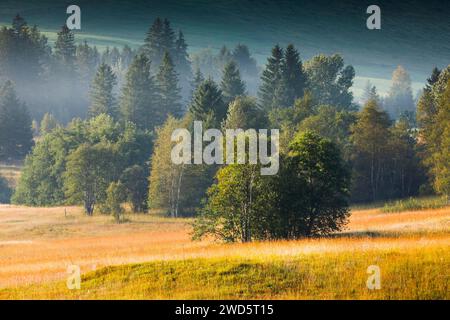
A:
<point x="151" y="257"/>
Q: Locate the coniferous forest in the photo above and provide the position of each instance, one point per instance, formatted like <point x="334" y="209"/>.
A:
<point x="183" y="156"/>
<point x="87" y="122"/>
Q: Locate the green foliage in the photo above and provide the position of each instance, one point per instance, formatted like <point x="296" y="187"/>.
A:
<point x="48" y="123"/>
<point x="16" y="137"/>
<point x="237" y="206"/>
<point x="23" y="52"/>
<point x="308" y="197"/>
<point x="65" y="49"/>
<point x="330" y="81"/>
<point x="384" y="157"/>
<point x="294" y="78"/>
<point x="168" y="90"/>
<point x="5" y="191"/>
<point x="271" y="89"/>
<point x="232" y="86"/>
<point x="433" y="115"/>
<point x="370" y="137"/>
<point x="196" y="81"/>
<point x="135" y="185"/>
<point x="89" y="171"/>
<point x="244" y="113"/>
<point x="332" y="124"/>
<point x="86" y="60"/>
<point x="137" y="103"/>
<point x="102" y="97"/>
<point x="208" y="103"/>
<point x="160" y="39"/>
<point x="313" y="188"/>
<point x="47" y="179"/>
<point x="115" y="195"/>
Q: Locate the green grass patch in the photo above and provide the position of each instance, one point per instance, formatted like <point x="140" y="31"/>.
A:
<point x="412" y="204"/>
<point x="412" y="274"/>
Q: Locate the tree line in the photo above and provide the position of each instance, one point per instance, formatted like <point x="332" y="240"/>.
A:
<point x="332" y="151"/>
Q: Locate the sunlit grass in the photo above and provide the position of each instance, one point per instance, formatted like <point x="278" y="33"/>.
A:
<point x="410" y="274"/>
<point x="38" y="244"/>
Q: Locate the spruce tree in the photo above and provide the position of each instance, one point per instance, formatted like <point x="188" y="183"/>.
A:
<point x="232" y="86"/>
<point x="65" y="48"/>
<point x="160" y="38"/>
<point x="293" y="76"/>
<point x="182" y="63"/>
<point x="434" y="77"/>
<point x="18" y="24"/>
<point x="16" y="136"/>
<point x="198" y="79"/>
<point x="246" y="64"/>
<point x="168" y="90"/>
<point x="101" y="94"/>
<point x="168" y="38"/>
<point x="153" y="45"/>
<point x="271" y="89"/>
<point x="207" y="103"/>
<point x="137" y="103"/>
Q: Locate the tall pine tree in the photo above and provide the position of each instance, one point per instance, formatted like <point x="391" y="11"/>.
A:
<point x="232" y="86"/>
<point x="271" y="89"/>
<point x="197" y="81"/>
<point x="102" y="97"/>
<point x="293" y="76"/>
<point x="207" y="104"/>
<point x="181" y="57"/>
<point x="168" y="90"/>
<point x="154" y="42"/>
<point x="65" y="49"/>
<point x="137" y="103"/>
<point x="16" y="137"/>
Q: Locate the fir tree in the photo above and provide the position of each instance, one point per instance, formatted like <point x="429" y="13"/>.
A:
<point x="434" y="77"/>
<point x="153" y="44"/>
<point x="168" y="39"/>
<point x="160" y="38"/>
<point x="246" y="64"/>
<point x="181" y="56"/>
<point x="293" y="76"/>
<point x="168" y="90"/>
<point x="16" y="136"/>
<point x="65" y="48"/>
<point x="207" y="103"/>
<point x="102" y="97"/>
<point x="232" y="86"/>
<point x="198" y="79"/>
<point x="271" y="89"/>
<point x="137" y="103"/>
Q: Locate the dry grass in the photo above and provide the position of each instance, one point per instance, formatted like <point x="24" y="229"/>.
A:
<point x="37" y="245"/>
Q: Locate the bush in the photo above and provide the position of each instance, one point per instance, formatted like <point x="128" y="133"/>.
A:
<point x="115" y="195"/>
